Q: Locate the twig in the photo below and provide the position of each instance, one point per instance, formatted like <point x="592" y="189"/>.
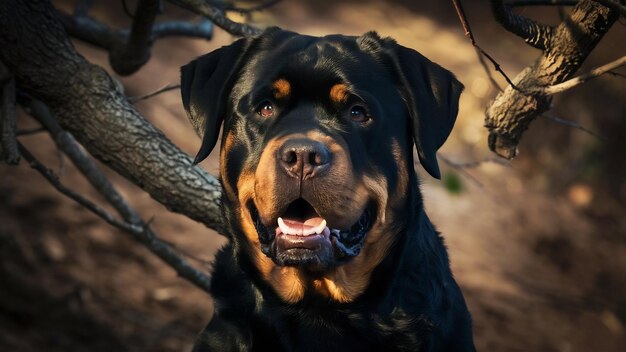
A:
<point x="461" y="170"/>
<point x="143" y="234"/>
<point x="570" y="123"/>
<point x="218" y="17"/>
<point x="483" y="63"/>
<point x="535" y="34"/>
<point x="596" y="72"/>
<point x="8" y="146"/>
<point x="477" y="163"/>
<point x="132" y="221"/>
<point x="468" y="33"/>
<point x="54" y="181"/>
<point x="156" y="92"/>
<point x="462" y="167"/>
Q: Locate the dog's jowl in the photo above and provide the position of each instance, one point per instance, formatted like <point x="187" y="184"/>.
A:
<point x="330" y="248"/>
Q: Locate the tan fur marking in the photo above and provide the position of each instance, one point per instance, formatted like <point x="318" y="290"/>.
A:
<point x="347" y="282"/>
<point x="286" y="281"/>
<point x="282" y="88"/>
<point x="339" y="93"/>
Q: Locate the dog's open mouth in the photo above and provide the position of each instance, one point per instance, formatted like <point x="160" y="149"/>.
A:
<point x="302" y="237"/>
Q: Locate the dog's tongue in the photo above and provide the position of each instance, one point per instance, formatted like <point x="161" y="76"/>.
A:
<point x="309" y="227"/>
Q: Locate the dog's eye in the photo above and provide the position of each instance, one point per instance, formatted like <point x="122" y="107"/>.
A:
<point x="358" y="113"/>
<point x="265" y="109"/>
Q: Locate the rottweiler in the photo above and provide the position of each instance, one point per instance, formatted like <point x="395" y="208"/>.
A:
<point x="330" y="248"/>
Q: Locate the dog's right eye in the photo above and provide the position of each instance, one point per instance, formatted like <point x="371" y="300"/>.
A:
<point x="265" y="109"/>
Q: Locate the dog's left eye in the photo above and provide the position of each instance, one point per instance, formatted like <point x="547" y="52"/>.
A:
<point x="359" y="113"/>
<point x="265" y="109"/>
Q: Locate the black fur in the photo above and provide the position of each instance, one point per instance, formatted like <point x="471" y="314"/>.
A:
<point x="412" y="302"/>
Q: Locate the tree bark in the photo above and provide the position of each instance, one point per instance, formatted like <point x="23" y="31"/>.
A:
<point x="512" y="111"/>
<point x="89" y="104"/>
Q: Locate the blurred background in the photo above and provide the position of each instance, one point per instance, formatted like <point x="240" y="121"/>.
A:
<point x="538" y="246"/>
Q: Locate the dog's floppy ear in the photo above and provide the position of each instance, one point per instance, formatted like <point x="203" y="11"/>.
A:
<point x="430" y="91"/>
<point x="204" y="85"/>
<point x="432" y="94"/>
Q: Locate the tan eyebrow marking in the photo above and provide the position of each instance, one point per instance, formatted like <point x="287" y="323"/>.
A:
<point x="282" y="88"/>
<point x="339" y="93"/>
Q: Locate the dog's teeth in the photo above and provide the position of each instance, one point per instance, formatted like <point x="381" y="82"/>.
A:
<point x="283" y="227"/>
<point x="319" y="228"/>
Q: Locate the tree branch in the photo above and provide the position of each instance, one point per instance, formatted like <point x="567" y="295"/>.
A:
<point x="510" y="113"/>
<point x="88" y="104"/>
<point x="218" y="17"/>
<point x="596" y="72"/>
<point x="126" y="58"/>
<point x="202" y="29"/>
<point x="8" y="143"/>
<point x="535" y="34"/>
<point x="99" y="34"/>
<point x="468" y="33"/>
<point x="570" y="123"/>
<point x="140" y="231"/>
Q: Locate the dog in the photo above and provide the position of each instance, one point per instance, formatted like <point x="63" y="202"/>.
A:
<point x="330" y="248"/>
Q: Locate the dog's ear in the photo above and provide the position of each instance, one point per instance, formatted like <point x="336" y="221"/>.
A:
<point x="430" y="91"/>
<point x="432" y="94"/>
<point x="204" y="85"/>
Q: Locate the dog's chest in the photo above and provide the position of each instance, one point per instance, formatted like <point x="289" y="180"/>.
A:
<point x="347" y="330"/>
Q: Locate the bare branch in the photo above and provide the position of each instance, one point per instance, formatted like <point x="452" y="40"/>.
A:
<point x="127" y="58"/>
<point x="66" y="142"/>
<point x="511" y="112"/>
<point x="167" y="88"/>
<point x="476" y="163"/>
<point x="570" y="123"/>
<point x="468" y="33"/>
<point x="92" y="31"/>
<point x="8" y="146"/>
<point x="202" y="29"/>
<point x="88" y="104"/>
<point x="535" y="34"/>
<point x="218" y="17"/>
<point x="596" y="72"/>
<point x="140" y="231"/>
<point x="99" y="34"/>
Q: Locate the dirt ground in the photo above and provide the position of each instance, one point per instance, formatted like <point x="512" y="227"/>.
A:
<point x="538" y="246"/>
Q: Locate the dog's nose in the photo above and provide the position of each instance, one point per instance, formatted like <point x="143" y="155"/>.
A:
<point x="303" y="158"/>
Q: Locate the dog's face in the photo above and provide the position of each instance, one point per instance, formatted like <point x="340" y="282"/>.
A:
<point x="316" y="157"/>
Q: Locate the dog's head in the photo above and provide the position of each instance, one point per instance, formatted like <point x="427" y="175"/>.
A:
<point x="316" y="157"/>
